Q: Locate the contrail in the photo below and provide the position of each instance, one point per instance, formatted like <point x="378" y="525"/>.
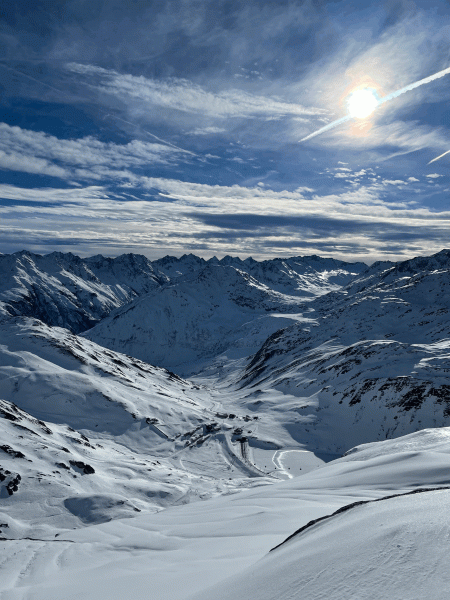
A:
<point x="327" y="127"/>
<point x="151" y="134"/>
<point x="412" y="86"/>
<point x="405" y="89"/>
<point x="438" y="157"/>
<point x="2" y="64"/>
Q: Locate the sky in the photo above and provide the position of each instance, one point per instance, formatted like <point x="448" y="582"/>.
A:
<point x="177" y="126"/>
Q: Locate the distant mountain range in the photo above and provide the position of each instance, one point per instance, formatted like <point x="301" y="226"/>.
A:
<point x="68" y="291"/>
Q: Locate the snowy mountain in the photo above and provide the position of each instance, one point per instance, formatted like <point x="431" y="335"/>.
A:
<point x="174" y="267"/>
<point x="302" y="275"/>
<point x="67" y="291"/>
<point x="107" y="434"/>
<point x="314" y="419"/>
<point x="373" y="364"/>
<point x="197" y="316"/>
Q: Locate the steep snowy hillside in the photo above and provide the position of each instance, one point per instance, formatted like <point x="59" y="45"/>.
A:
<point x="373" y="365"/>
<point x="67" y="291"/>
<point x="197" y="317"/>
<point x="105" y="434"/>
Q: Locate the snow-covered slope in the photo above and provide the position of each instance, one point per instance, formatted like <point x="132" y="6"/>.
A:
<point x="94" y="443"/>
<point x="374" y="363"/>
<point x="390" y="548"/>
<point x="197" y="317"/>
<point x="88" y="434"/>
<point x="67" y="291"/>
<point x="389" y="541"/>
<point x="220" y="548"/>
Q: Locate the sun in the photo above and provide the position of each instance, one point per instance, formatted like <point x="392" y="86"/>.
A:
<point x="361" y="103"/>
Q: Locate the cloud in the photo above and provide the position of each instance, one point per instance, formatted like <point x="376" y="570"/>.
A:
<point x="214" y="219"/>
<point x="394" y="182"/>
<point x="400" y="136"/>
<point x="39" y="153"/>
<point x="14" y="160"/>
<point x="356" y="205"/>
<point x="346" y="173"/>
<point x="50" y="195"/>
<point x="207" y="131"/>
<point x="434" y="176"/>
<point x="186" y="96"/>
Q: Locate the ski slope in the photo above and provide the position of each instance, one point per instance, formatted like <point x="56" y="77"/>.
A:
<point x="221" y="547"/>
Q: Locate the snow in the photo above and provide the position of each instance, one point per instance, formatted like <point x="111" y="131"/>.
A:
<point x="377" y="550"/>
<point x="198" y="317"/>
<point x="119" y="478"/>
<point x="184" y="550"/>
<point x="65" y="290"/>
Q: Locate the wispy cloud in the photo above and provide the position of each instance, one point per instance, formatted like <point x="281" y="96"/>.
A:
<point x="207" y="131"/>
<point x="39" y="153"/>
<point x="213" y="219"/>
<point x="389" y="139"/>
<point x="186" y="96"/>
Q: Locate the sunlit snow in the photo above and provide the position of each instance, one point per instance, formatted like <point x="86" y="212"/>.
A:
<point x="295" y="389"/>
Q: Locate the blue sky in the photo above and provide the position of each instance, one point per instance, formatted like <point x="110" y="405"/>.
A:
<point x="176" y="126"/>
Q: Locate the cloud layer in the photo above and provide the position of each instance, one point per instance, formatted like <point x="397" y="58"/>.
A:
<point x="174" y="126"/>
<point x="179" y="216"/>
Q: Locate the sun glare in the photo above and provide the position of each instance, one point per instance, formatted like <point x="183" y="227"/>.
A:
<point x="362" y="103"/>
